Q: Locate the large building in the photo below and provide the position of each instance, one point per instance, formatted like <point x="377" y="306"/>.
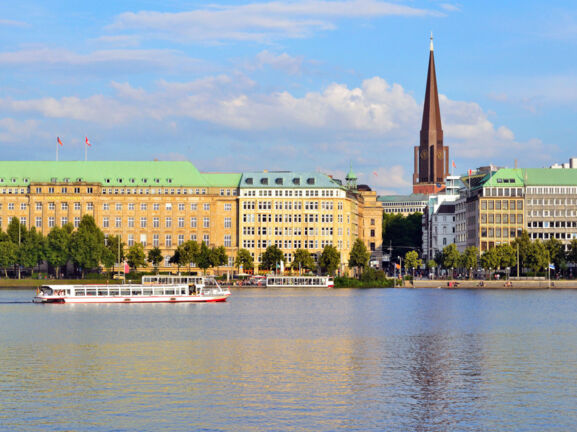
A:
<point x="164" y="204"/>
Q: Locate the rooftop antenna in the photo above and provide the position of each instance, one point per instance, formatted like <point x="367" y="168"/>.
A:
<point x="431" y="41"/>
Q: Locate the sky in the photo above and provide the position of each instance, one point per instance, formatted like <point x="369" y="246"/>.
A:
<point x="296" y="85"/>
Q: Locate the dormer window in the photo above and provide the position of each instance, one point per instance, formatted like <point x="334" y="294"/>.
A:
<point x="107" y="180"/>
<point x="278" y="181"/>
<point x="79" y="179"/>
<point x="144" y="180"/>
<point x="156" y="180"/>
<point x="249" y="180"/>
<point x="311" y="181"/>
<point x="297" y="181"/>
<point x="131" y="180"/>
<point x="264" y="181"/>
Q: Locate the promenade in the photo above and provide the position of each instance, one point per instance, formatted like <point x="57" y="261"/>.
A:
<point x="497" y="284"/>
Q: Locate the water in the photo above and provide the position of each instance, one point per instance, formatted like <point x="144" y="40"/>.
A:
<point x="293" y="360"/>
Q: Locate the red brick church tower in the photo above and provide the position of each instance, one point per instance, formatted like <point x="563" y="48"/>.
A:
<point x="431" y="156"/>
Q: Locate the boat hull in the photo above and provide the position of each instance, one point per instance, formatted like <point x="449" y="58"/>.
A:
<point x="131" y="299"/>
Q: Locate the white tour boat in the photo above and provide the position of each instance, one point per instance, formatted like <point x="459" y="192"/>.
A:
<point x="300" y="282"/>
<point x="207" y="290"/>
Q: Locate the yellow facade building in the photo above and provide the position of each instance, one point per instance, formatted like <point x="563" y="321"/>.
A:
<point x="164" y="204"/>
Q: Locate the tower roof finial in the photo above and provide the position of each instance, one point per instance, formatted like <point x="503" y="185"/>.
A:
<point x="431" y="41"/>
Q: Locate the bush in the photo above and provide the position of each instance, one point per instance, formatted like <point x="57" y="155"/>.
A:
<point x="373" y="275"/>
<point x="345" y="282"/>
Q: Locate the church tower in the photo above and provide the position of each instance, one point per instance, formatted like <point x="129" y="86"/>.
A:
<point x="431" y="156"/>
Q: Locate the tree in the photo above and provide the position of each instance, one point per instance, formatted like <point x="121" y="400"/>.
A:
<point x="189" y="252"/>
<point x="523" y="245"/>
<point x="431" y="264"/>
<point x="271" y="257"/>
<point x="113" y="251"/>
<point x="155" y="257"/>
<point x="8" y="255"/>
<point x="507" y="255"/>
<point x="359" y="256"/>
<point x="31" y="249"/>
<point x="470" y="259"/>
<point x="303" y="260"/>
<point x="490" y="259"/>
<point x="556" y="252"/>
<point x="16" y="232"/>
<point x="177" y="259"/>
<point x="412" y="260"/>
<point x="572" y="254"/>
<point x="538" y="256"/>
<point x="58" y="248"/>
<point x="330" y="260"/>
<point x="87" y="244"/>
<point x="204" y="261"/>
<point x="402" y="232"/>
<point x="218" y="256"/>
<point x="451" y="256"/>
<point x="244" y="259"/>
<point x="135" y="256"/>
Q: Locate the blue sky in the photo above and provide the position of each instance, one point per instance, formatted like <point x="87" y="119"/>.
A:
<point x="288" y="85"/>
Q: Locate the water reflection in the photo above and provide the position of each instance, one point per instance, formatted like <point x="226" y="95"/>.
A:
<point x="365" y="360"/>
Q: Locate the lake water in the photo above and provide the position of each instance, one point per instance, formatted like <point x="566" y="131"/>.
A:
<point x="294" y="360"/>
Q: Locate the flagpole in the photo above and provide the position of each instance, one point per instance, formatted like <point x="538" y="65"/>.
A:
<point x="85" y="152"/>
<point x="56" y="151"/>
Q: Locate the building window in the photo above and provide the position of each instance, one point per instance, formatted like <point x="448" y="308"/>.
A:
<point x="118" y="207"/>
<point x="227" y="207"/>
<point x="227" y="240"/>
<point x="155" y="241"/>
<point x="105" y="222"/>
<point x="142" y="222"/>
<point x="76" y="222"/>
<point x="181" y="222"/>
<point x="193" y="206"/>
<point x="181" y="207"/>
<point x="64" y="206"/>
<point x="130" y="222"/>
<point x="227" y="222"/>
<point x="168" y="206"/>
<point x="77" y="206"/>
<point x="118" y="222"/>
<point x="180" y="239"/>
<point x="168" y="222"/>
<point x="156" y="222"/>
<point x="206" y="239"/>
<point x="63" y="221"/>
<point x="156" y="206"/>
<point x="205" y="222"/>
<point x="193" y="222"/>
<point x="143" y="206"/>
<point x="106" y="206"/>
<point x="168" y="240"/>
<point x="130" y="239"/>
<point x="89" y="206"/>
<point x="206" y="207"/>
<point x="38" y="222"/>
<point x="38" y="206"/>
<point x="51" y="206"/>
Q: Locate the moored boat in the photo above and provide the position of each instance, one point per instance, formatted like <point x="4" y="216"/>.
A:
<point x="300" y="282"/>
<point x="207" y="291"/>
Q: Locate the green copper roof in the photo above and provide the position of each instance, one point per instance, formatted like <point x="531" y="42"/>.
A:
<point x="222" y="179"/>
<point x="109" y="173"/>
<point x="287" y="179"/>
<point x="518" y="177"/>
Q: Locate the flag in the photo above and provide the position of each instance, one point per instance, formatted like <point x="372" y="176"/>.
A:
<point x="470" y="172"/>
<point x="375" y="174"/>
<point x="126" y="267"/>
<point x="454" y="166"/>
<point x="58" y="140"/>
<point x="398" y="266"/>
<point x="552" y="266"/>
<point x="88" y="142"/>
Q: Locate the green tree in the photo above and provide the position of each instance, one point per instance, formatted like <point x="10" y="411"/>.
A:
<point x="572" y="254"/>
<point x="330" y="260"/>
<point x="190" y="251"/>
<point x="431" y="264"/>
<point x="244" y="259"/>
<point x="204" y="260"/>
<point x="523" y="244"/>
<point x="177" y="258"/>
<point x="271" y="257"/>
<point x="135" y="256"/>
<point x="303" y="260"/>
<point x="218" y="256"/>
<point x="556" y="252"/>
<point x="490" y="259"/>
<point x="113" y="251"/>
<point x="155" y="257"/>
<point x="538" y="257"/>
<point x="87" y="245"/>
<point x="16" y="231"/>
<point x="470" y="259"/>
<point x="31" y="250"/>
<point x="402" y="232"/>
<point x="8" y="255"/>
<point x="507" y="255"/>
<point x="359" y="256"/>
<point x="58" y="248"/>
<point x="412" y="260"/>
<point x="451" y="256"/>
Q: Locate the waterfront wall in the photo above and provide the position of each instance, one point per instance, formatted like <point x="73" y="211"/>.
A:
<point x="501" y="284"/>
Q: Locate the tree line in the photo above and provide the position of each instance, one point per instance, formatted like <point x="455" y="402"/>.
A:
<point x="87" y="248"/>
<point x="531" y="256"/>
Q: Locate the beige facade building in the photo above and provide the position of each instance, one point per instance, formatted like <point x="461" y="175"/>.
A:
<point x="164" y="204"/>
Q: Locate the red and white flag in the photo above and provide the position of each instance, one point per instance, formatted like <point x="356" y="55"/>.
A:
<point x="126" y="267"/>
<point x="88" y="142"/>
<point x="59" y="141"/>
<point x="454" y="166"/>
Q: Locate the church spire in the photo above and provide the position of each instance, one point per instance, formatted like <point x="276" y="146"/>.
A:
<point x="431" y="157"/>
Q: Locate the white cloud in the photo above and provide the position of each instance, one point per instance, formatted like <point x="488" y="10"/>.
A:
<point x="257" y="21"/>
<point x="15" y="131"/>
<point x="281" y="62"/>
